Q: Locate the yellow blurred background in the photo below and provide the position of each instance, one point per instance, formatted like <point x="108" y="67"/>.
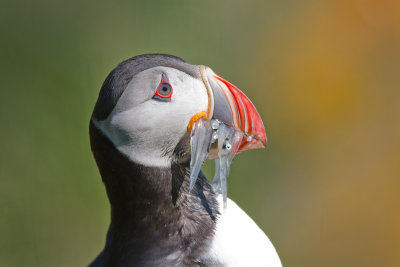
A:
<point x="324" y="76"/>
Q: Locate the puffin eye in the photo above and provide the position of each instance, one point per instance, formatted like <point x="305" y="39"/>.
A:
<point x="164" y="90"/>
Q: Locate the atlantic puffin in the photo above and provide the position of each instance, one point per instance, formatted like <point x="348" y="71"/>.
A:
<point x="140" y="139"/>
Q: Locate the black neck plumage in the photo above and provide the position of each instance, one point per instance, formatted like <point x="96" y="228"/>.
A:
<point x="155" y="220"/>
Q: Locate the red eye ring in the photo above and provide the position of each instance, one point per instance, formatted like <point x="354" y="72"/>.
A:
<point x="164" y="90"/>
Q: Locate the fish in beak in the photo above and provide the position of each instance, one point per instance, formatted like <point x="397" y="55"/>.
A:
<point x="230" y="125"/>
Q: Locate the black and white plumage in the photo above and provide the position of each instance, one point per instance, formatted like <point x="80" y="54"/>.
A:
<point x="142" y="148"/>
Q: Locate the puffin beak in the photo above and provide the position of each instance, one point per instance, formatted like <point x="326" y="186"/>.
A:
<point x="231" y="106"/>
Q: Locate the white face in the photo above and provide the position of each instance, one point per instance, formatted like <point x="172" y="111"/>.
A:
<point x="147" y="130"/>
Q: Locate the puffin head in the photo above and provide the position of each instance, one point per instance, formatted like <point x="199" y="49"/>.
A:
<point x="148" y="104"/>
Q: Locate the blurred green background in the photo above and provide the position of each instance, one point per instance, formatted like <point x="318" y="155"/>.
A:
<point x="324" y="76"/>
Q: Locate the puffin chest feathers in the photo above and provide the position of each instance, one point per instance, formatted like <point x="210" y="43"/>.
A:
<point x="155" y="220"/>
